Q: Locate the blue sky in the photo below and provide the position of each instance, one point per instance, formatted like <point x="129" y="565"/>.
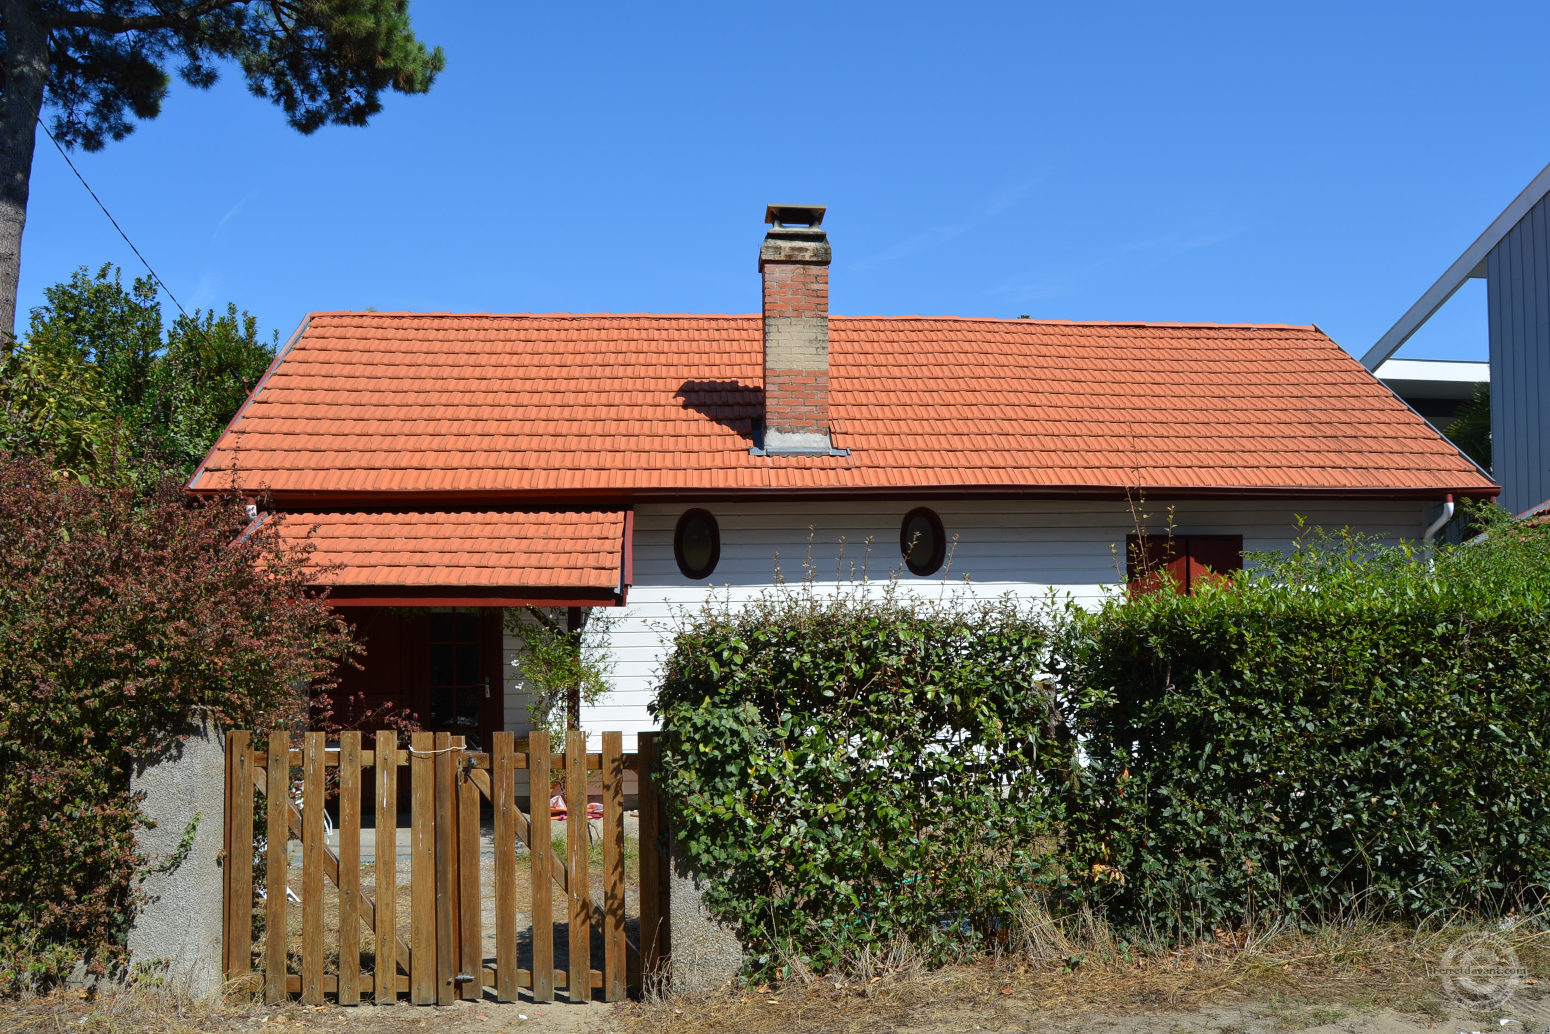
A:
<point x="1244" y="162"/>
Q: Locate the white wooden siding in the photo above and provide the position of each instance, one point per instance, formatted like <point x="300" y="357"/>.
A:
<point x="1025" y="548"/>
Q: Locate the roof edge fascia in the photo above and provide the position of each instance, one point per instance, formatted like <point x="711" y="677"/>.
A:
<point x="1448" y="284"/>
<point x="602" y="499"/>
<point x="274" y="364"/>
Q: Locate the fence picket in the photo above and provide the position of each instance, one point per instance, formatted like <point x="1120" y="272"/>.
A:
<point x="239" y="855"/>
<point x="580" y="983"/>
<point x="422" y="871"/>
<point x="653" y="868"/>
<point x="613" y="867"/>
<point x="312" y="870"/>
<point x="385" y="972"/>
<point x="471" y="949"/>
<point x="541" y="865"/>
<point x="349" y="868"/>
<point x="277" y="801"/>
<point x="503" y="802"/>
<point x="447" y="941"/>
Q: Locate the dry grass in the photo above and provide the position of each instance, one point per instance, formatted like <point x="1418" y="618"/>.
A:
<point x="149" y="1011"/>
<point x="109" y="1013"/>
<point x="1279" y="981"/>
<point x="1287" y="980"/>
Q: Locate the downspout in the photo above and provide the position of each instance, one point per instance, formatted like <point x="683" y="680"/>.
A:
<point x="1437" y="525"/>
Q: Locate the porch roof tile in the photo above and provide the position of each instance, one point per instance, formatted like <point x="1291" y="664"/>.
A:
<point x="565" y="551"/>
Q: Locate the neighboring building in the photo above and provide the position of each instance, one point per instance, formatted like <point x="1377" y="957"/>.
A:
<point x="1513" y="256"/>
<point x="457" y="465"/>
<point x="1435" y="388"/>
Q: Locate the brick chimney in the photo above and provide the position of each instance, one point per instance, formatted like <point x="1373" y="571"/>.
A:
<point x="794" y="263"/>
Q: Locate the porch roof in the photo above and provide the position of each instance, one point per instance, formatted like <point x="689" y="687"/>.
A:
<point x="490" y="557"/>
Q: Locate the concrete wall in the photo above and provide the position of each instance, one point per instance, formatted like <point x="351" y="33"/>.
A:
<point x="176" y="936"/>
<point x="1025" y="548"/>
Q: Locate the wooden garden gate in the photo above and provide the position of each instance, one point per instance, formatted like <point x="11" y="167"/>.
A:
<point x="350" y="939"/>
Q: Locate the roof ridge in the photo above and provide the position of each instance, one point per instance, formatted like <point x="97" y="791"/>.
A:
<point x="916" y="317"/>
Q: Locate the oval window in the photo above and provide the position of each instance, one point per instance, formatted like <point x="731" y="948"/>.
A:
<point x="697" y="544"/>
<point x="922" y="541"/>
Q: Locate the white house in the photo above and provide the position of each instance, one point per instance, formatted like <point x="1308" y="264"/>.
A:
<point x="455" y="465"/>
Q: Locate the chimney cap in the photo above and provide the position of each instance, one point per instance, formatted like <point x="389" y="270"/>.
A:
<point x="794" y="215"/>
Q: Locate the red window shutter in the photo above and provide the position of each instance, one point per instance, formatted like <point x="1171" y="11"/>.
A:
<point x="1150" y="559"/>
<point x="1213" y="557"/>
<point x="1186" y="560"/>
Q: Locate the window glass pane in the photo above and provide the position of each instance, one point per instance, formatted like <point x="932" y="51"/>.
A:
<point x="921" y="538"/>
<point x="443" y="665"/>
<point x="441" y="627"/>
<point x="441" y="707"/>
<point x="467" y="627"/>
<point x="467" y="707"/>
<point x="467" y="664"/>
<point x="696" y="543"/>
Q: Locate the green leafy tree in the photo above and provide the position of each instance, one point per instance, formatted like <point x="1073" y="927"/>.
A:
<point x="101" y="386"/>
<point x="1471" y="428"/>
<point x="96" y="66"/>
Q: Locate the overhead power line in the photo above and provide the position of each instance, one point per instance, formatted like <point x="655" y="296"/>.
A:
<point x="154" y="275"/>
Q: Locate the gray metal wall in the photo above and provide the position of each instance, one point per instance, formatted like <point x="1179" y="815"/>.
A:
<point x="1518" y="292"/>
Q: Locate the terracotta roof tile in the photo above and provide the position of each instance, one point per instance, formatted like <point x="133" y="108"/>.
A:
<point x="564" y="551"/>
<point x="505" y="406"/>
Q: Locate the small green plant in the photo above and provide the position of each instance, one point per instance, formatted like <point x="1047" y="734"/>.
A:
<point x="559" y="665"/>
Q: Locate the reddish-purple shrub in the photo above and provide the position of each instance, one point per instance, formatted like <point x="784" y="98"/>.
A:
<point x="120" y="617"/>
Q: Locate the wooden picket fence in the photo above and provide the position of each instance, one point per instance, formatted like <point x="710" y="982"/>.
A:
<point x="445" y="956"/>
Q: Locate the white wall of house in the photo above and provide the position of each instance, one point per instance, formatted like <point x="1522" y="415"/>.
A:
<point x="1024" y="548"/>
<point x="516" y="695"/>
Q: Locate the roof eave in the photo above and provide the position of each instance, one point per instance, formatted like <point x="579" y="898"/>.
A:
<point x="585" y="498"/>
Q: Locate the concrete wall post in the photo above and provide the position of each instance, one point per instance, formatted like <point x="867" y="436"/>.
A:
<point x="177" y="934"/>
<point x="706" y="954"/>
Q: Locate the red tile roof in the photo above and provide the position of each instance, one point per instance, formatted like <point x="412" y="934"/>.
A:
<point x="619" y="407"/>
<point x="560" y="554"/>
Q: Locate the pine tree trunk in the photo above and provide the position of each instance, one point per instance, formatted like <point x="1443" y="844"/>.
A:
<point x="26" y="74"/>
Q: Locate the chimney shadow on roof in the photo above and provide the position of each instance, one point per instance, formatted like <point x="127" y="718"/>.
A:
<point x="732" y="404"/>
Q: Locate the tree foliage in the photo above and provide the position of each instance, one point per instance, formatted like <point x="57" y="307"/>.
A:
<point x="93" y="68"/>
<point x="557" y="663"/>
<point x="1471" y="428"/>
<point x="101" y="385"/>
<point x="321" y="61"/>
<point x="121" y="615"/>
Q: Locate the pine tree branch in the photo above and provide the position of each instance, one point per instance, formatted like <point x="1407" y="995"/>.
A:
<point x="131" y="23"/>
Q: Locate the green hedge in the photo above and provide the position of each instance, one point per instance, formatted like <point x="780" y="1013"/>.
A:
<point x="1349" y="726"/>
<point x="847" y="770"/>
